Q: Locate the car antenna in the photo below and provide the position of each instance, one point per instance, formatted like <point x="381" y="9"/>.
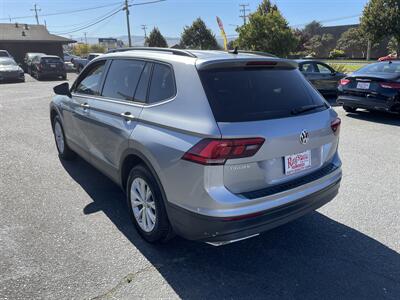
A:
<point x="235" y="51"/>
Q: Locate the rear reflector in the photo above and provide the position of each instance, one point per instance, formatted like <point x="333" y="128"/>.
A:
<point x="344" y="81"/>
<point x="335" y="125"/>
<point x="390" y="85"/>
<point x="217" y="151"/>
<point x="261" y="63"/>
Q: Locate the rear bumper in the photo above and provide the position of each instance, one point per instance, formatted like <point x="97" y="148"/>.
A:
<point x="216" y="230"/>
<point x="52" y="73"/>
<point x="367" y="102"/>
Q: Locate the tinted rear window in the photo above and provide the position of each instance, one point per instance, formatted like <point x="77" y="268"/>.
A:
<point x="3" y="54"/>
<point x="122" y="79"/>
<point x="384" y="67"/>
<point x="248" y="94"/>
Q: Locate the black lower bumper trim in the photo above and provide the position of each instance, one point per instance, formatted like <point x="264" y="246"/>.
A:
<point x="194" y="226"/>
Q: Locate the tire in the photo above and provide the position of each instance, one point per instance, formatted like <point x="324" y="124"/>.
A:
<point x="349" y="108"/>
<point x="64" y="152"/>
<point x="155" y="231"/>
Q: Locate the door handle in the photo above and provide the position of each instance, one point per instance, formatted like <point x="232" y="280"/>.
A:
<point x="85" y="105"/>
<point x="128" y="116"/>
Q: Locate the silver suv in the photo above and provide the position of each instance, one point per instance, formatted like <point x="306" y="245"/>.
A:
<point x="213" y="146"/>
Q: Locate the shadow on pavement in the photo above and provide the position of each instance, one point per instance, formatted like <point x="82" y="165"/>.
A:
<point x="376" y="116"/>
<point x="314" y="257"/>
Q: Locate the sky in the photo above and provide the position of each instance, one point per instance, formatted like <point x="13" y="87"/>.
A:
<point x="170" y="16"/>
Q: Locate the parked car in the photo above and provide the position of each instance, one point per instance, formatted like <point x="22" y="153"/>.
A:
<point x="213" y="146"/>
<point x="80" y="63"/>
<point x="68" y="57"/>
<point x="374" y="87"/>
<point x="4" y="53"/>
<point x="392" y="56"/>
<point x="27" y="66"/>
<point x="10" y="71"/>
<point x="321" y="75"/>
<point x="48" y="66"/>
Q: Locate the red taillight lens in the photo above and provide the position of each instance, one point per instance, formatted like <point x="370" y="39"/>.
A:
<point x="335" y="125"/>
<point x="390" y="85"/>
<point x="344" y="81"/>
<point x="216" y="152"/>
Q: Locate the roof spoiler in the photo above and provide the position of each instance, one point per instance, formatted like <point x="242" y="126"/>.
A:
<point x="239" y="62"/>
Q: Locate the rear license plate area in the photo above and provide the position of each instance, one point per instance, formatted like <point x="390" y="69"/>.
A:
<point x="298" y="162"/>
<point x="363" y="85"/>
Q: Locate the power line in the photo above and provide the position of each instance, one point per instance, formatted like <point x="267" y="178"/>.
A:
<point x="35" y="9"/>
<point x="66" y="12"/>
<point x="92" y="24"/>
<point x="244" y="10"/>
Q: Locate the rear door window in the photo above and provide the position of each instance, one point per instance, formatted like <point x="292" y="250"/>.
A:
<point x="143" y="86"/>
<point x="162" y="84"/>
<point x="90" y="82"/>
<point x="250" y="94"/>
<point x="307" y="68"/>
<point x="323" y="69"/>
<point x="122" y="79"/>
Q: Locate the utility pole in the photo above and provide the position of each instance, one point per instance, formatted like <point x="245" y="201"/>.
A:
<point x="144" y="27"/>
<point x="9" y="18"/>
<point x="244" y="10"/>
<point x="126" y="8"/>
<point x="35" y="9"/>
<point x="85" y="37"/>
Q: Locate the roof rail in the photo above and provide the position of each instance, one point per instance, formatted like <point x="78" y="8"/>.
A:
<point x="256" y="53"/>
<point x="173" y="51"/>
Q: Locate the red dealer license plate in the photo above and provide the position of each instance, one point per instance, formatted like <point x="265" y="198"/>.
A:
<point x="297" y="162"/>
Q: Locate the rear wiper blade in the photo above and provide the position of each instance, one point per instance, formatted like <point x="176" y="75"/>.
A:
<point x="305" y="108"/>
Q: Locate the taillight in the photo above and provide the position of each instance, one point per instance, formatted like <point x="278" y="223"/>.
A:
<point x="344" y="81"/>
<point x="335" y="125"/>
<point x="390" y="85"/>
<point x="217" y="151"/>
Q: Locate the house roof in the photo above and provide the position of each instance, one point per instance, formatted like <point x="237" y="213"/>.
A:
<point x="15" y="32"/>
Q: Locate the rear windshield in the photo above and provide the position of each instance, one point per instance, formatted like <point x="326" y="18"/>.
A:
<point x="251" y="94"/>
<point x="3" y="54"/>
<point x="49" y="60"/>
<point x="384" y="67"/>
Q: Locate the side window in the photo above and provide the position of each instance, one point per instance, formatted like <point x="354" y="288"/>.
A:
<point x="307" y="68"/>
<point x="90" y="83"/>
<point x="323" y="69"/>
<point x="141" y="91"/>
<point x="122" y="79"/>
<point x="162" y="83"/>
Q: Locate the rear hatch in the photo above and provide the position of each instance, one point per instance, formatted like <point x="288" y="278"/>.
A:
<point x="52" y="64"/>
<point x="277" y="104"/>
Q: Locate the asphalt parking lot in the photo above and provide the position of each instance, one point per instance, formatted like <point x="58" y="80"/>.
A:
<point x="65" y="233"/>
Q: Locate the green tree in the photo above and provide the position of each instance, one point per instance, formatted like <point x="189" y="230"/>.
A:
<point x="381" y="18"/>
<point x="320" y="45"/>
<point x="393" y="46"/>
<point x="81" y="49"/>
<point x="198" y="36"/>
<point x="97" y="48"/>
<point x="156" y="39"/>
<point x="267" y="30"/>
<point x="312" y="28"/>
<point x="352" y="41"/>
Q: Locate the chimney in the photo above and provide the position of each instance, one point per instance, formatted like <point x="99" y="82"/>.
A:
<point x="26" y="27"/>
<point x="23" y="33"/>
<point x="16" y="24"/>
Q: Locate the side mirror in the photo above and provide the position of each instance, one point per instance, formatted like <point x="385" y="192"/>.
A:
<point x="62" y="89"/>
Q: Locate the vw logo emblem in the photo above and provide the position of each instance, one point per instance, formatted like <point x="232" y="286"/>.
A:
<point x="304" y="137"/>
